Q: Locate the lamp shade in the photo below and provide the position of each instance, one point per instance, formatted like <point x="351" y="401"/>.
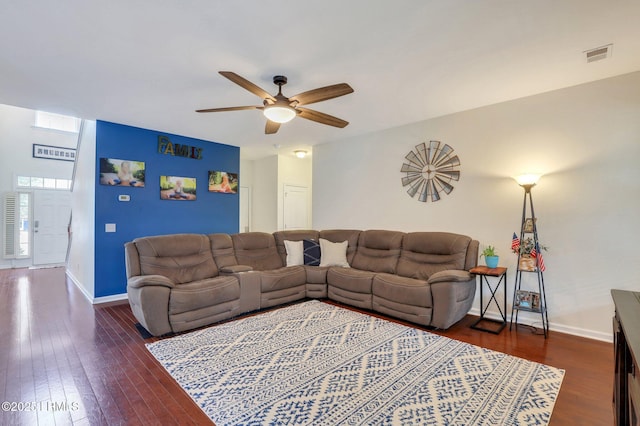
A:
<point x="279" y="113"/>
<point x="528" y="179"/>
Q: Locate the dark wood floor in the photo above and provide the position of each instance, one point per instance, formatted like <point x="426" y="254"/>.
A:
<point x="64" y="361"/>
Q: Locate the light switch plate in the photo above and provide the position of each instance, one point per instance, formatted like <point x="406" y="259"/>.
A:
<point x="109" y="227"/>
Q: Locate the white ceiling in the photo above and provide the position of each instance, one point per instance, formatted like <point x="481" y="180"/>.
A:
<point x="152" y="63"/>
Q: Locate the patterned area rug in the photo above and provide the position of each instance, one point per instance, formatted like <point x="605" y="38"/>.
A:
<point x="318" y="364"/>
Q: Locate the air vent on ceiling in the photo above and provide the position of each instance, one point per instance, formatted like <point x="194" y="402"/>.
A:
<point x="598" y="53"/>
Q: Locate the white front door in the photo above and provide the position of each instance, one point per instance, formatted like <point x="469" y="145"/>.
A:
<point x="295" y="210"/>
<point x="51" y="213"/>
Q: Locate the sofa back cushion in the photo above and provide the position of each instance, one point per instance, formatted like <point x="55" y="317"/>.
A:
<point x="378" y="251"/>
<point x="472" y="255"/>
<point x="222" y="249"/>
<point x="258" y="250"/>
<point x="338" y="235"/>
<point x="182" y="258"/>
<point x="425" y="253"/>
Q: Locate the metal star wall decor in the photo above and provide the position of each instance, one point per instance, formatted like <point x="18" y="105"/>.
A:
<point x="430" y="171"/>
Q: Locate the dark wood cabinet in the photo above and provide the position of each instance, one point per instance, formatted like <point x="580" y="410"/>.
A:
<point x="626" y="334"/>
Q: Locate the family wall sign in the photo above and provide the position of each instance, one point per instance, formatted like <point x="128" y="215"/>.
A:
<point x="165" y="146"/>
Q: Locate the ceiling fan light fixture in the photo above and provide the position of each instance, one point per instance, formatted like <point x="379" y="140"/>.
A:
<point x="279" y="109"/>
<point x="279" y="113"/>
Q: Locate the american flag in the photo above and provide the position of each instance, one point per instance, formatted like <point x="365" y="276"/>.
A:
<point x="515" y="243"/>
<point x="539" y="257"/>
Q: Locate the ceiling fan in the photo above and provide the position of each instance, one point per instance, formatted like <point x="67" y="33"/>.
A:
<point x="279" y="109"/>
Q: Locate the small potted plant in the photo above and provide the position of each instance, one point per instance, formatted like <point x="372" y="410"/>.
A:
<point x="490" y="257"/>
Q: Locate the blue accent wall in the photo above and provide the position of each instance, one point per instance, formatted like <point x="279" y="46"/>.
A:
<point x="146" y="214"/>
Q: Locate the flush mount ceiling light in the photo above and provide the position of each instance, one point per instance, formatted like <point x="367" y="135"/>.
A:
<point x="300" y="153"/>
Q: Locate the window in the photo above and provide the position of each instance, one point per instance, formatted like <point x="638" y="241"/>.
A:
<point x="16" y="216"/>
<point x="49" y="183"/>
<point x="24" y="249"/>
<point x="65" y="123"/>
<point x="23" y="182"/>
<point x="63" y="184"/>
<point x="37" y="182"/>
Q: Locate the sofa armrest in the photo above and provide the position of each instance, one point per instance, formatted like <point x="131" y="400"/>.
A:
<point x="452" y="298"/>
<point x="234" y="269"/>
<point x="450" y="275"/>
<point x="150" y="303"/>
<point x="150" y="280"/>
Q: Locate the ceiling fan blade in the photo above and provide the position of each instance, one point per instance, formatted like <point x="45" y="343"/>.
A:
<point x="322" y="94"/>
<point x="238" y="108"/>
<point x="271" y="127"/>
<point x="243" y="82"/>
<point x="321" y="117"/>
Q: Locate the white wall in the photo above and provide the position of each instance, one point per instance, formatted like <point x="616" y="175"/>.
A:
<point x="264" y="209"/>
<point x="586" y="142"/>
<point x="81" y="262"/>
<point x="17" y="136"/>
<point x="267" y="177"/>
<point x="246" y="181"/>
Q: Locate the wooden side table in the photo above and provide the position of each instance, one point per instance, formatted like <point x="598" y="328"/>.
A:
<point x="488" y="324"/>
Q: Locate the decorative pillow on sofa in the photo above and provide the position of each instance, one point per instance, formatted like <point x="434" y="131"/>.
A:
<point x="311" y="252"/>
<point x="295" y="252"/>
<point x="333" y="254"/>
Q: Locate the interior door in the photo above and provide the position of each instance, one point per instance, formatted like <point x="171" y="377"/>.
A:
<point x="51" y="213"/>
<point x="296" y="212"/>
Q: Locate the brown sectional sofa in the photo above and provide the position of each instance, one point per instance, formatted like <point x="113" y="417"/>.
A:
<point x="184" y="281"/>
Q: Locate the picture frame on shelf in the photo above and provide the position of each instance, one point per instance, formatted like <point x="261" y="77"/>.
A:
<point x="527" y="263"/>
<point x="527" y="227"/>
<point x="527" y="300"/>
<point x="535" y="300"/>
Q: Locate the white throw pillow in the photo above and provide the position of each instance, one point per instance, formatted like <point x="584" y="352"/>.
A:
<point x="333" y="254"/>
<point x="295" y="252"/>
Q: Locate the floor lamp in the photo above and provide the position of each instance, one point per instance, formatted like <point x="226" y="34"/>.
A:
<point x="528" y="226"/>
